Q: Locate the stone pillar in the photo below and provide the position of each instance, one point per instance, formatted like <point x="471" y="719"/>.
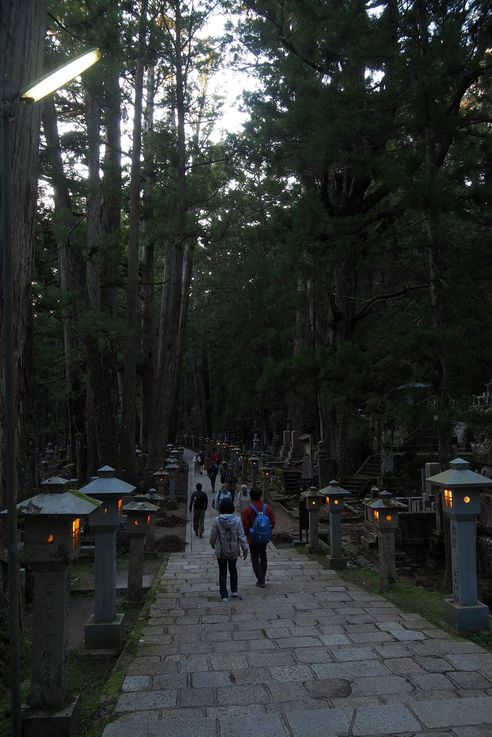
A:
<point x="387" y="557"/>
<point x="326" y="465"/>
<point x="337" y="561"/>
<point x="314" y="546"/>
<point x="135" y="568"/>
<point x="105" y="576"/>
<point x="50" y="637"/>
<point x="307" y="467"/>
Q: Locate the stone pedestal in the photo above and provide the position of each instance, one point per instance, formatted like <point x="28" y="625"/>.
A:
<point x="64" y="722"/>
<point x="387" y="558"/>
<point x="286" y="444"/>
<point x="471" y="618"/>
<point x="106" y="636"/>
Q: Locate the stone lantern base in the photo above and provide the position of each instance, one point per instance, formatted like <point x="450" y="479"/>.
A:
<point x="62" y="723"/>
<point x="106" y="636"/>
<point x="337" y="564"/>
<point x="473" y="618"/>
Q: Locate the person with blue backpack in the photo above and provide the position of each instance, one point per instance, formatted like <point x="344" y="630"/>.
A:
<point x="258" y="522"/>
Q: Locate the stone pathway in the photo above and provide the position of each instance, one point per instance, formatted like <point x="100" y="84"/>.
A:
<point x="308" y="656"/>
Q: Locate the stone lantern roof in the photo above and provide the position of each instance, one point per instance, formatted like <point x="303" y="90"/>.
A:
<point x="459" y="474"/>
<point x="386" y="501"/>
<point x="66" y="504"/>
<point x="106" y="485"/>
<point x="334" y="489"/>
<point x="144" y="507"/>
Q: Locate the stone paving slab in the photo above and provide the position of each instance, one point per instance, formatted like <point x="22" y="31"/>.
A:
<point x="308" y="656"/>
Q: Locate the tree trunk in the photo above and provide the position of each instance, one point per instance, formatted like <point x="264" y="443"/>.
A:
<point x="148" y="389"/>
<point x="127" y="430"/>
<point x="100" y="375"/>
<point x="71" y="272"/>
<point x="22" y="26"/>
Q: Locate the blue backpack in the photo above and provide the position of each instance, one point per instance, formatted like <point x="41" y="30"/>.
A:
<point x="261" y="532"/>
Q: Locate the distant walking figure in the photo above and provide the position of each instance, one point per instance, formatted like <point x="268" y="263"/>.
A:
<point x="258" y="522"/>
<point x="213" y="470"/>
<point x="227" y="539"/>
<point x="197" y="464"/>
<point x="198" y="503"/>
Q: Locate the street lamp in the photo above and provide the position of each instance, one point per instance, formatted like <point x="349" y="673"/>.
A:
<point x="33" y="93"/>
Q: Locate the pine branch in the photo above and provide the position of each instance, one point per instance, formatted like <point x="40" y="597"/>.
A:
<point x="385" y="298"/>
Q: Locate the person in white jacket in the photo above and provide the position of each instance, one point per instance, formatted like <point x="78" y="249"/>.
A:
<point x="242" y="499"/>
<point x="227" y="538"/>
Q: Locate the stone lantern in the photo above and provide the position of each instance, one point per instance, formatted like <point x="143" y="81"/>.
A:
<point x="461" y="503"/>
<point x="384" y="515"/>
<point x="314" y="500"/>
<point x="154" y="498"/>
<point x="160" y="477"/>
<point x="105" y="630"/>
<point x="267" y="473"/>
<point x="244" y="465"/>
<point x="52" y="541"/>
<point x="254" y="462"/>
<point x="139" y="515"/>
<point x="172" y="469"/>
<point x="335" y="497"/>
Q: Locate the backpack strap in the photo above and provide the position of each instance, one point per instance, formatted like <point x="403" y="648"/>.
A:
<point x="264" y="509"/>
<point x="251" y="506"/>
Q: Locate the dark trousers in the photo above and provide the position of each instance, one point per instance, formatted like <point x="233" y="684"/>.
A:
<point x="259" y="560"/>
<point x="198" y="521"/>
<point x="223" y="564"/>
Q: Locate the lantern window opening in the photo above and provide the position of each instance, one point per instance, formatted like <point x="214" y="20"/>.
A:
<point x="327" y="500"/>
<point x="389" y="517"/>
<point x="120" y="504"/>
<point x="375" y="514"/>
<point x="467" y="499"/>
<point x="448" y="498"/>
<point x="136" y="522"/>
<point x="336" y="501"/>
<point x="75" y="533"/>
<point x="50" y="539"/>
<point x="148" y="520"/>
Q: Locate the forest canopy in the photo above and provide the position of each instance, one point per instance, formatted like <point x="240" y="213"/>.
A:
<point x="314" y="266"/>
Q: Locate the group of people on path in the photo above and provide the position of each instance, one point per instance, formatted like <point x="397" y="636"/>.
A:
<point x="213" y="466"/>
<point x="244" y="525"/>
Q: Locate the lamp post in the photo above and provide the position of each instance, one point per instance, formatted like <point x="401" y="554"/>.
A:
<point x="105" y="629"/>
<point x="172" y="468"/>
<point x="254" y="461"/>
<point x="36" y="91"/>
<point x="461" y="503"/>
<point x="139" y="515"/>
<point x="314" y="500"/>
<point x="267" y="472"/>
<point x="384" y="511"/>
<point x="335" y="500"/>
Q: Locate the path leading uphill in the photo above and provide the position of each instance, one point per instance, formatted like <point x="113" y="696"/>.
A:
<point x="308" y="656"/>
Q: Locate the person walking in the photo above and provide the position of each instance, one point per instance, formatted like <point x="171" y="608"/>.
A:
<point x="223" y="494"/>
<point x="196" y="464"/>
<point x="258" y="522"/>
<point x="228" y="540"/>
<point x="242" y="499"/>
<point x="213" y="470"/>
<point x="199" y="504"/>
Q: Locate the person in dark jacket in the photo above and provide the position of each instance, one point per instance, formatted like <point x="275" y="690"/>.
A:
<point x="213" y="470"/>
<point x="257" y="550"/>
<point x="199" y="504"/>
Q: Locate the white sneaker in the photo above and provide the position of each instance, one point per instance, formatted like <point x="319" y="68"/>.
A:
<point x="226" y="600"/>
